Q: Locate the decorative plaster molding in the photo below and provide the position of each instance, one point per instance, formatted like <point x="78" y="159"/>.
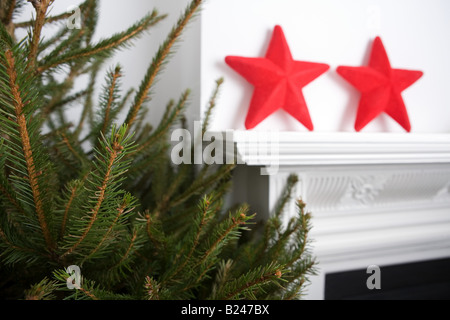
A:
<point x="372" y="189"/>
<point x="443" y="194"/>
<point x="365" y="189"/>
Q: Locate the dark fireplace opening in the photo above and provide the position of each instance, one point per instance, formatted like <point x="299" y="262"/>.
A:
<point x="428" y="280"/>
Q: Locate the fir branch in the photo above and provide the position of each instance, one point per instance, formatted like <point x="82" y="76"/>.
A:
<point x="124" y="208"/>
<point x="90" y="17"/>
<point x="295" y="292"/>
<point x="80" y="156"/>
<point x="51" y="41"/>
<point x="254" y="280"/>
<point x="60" y="156"/>
<point x="296" y="257"/>
<point x="58" y="92"/>
<point x="213" y="244"/>
<point x="302" y="234"/>
<point x="166" y="123"/>
<point x="272" y="231"/>
<point x="7" y="10"/>
<point x="100" y="198"/>
<point x="223" y="273"/>
<point x="86" y="287"/>
<point x="86" y="8"/>
<point x="158" y="61"/>
<point x="226" y="231"/>
<point x="142" y="170"/>
<point x="22" y="127"/>
<point x="6" y="39"/>
<point x="104" y="47"/>
<point x="49" y="20"/>
<point x="124" y="102"/>
<point x="59" y="103"/>
<point x="14" y="249"/>
<point x="72" y="41"/>
<point x="41" y="8"/>
<point x="154" y="231"/>
<point x="90" y="12"/>
<point x="110" y="168"/>
<point x="10" y="7"/>
<point x="10" y="196"/>
<point x="129" y="249"/>
<point x="43" y="290"/>
<point x="194" y="240"/>
<point x="88" y="293"/>
<point x="286" y="196"/>
<point x="211" y="105"/>
<point x="108" y="104"/>
<point x="283" y="240"/>
<point x="74" y="190"/>
<point x="200" y="184"/>
<point x="163" y="200"/>
<point x="143" y="129"/>
<point x="152" y="289"/>
<point x="88" y="105"/>
<point x="12" y="246"/>
<point x="168" y="111"/>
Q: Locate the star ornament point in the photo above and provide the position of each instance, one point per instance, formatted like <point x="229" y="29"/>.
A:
<point x="278" y="80"/>
<point x="381" y="88"/>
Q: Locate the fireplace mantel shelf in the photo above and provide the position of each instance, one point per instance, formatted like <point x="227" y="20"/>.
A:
<point x="305" y="149"/>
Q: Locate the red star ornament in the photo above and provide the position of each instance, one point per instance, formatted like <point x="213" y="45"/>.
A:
<point x="380" y="87"/>
<point x="277" y="80"/>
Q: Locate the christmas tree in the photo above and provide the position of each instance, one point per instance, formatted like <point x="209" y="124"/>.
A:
<point x="102" y="193"/>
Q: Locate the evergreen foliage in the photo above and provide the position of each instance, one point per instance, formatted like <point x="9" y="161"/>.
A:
<point x="104" y="195"/>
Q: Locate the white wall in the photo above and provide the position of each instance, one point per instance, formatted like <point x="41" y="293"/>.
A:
<point x="416" y="34"/>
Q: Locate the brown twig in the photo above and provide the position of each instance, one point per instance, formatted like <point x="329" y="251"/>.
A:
<point x="41" y="7"/>
<point x="26" y="145"/>
<point x="9" y="14"/>
<point x="62" y="16"/>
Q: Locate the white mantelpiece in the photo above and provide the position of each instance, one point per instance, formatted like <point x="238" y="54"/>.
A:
<point x="376" y="199"/>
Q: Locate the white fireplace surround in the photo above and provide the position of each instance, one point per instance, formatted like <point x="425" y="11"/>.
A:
<point x="376" y="199"/>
